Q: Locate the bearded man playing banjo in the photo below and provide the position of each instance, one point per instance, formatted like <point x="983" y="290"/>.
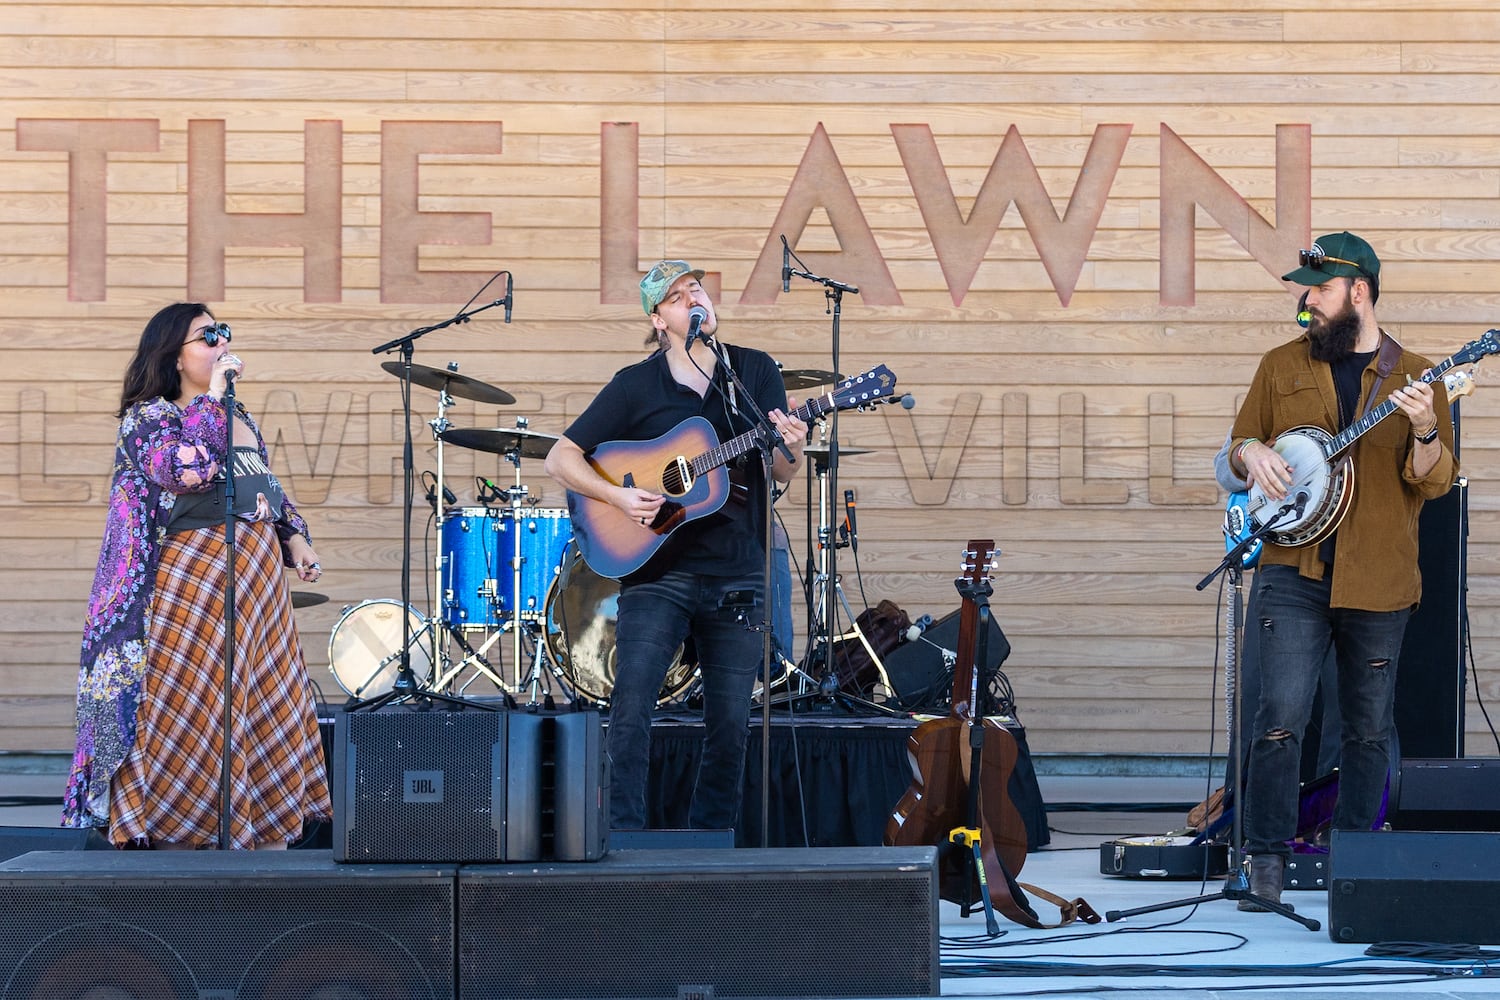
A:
<point x="1341" y="567"/>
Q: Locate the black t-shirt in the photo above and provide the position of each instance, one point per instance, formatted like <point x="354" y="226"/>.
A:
<point x="643" y="402"/>
<point x="252" y="479"/>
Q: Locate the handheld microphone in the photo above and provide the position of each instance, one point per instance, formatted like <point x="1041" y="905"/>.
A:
<point x="697" y="316"/>
<point x="786" y="265"/>
<point x="917" y="628"/>
<point x="509" y="287"/>
<point x="849" y="506"/>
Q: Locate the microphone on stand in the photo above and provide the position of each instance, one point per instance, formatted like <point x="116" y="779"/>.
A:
<point x="849" y="524"/>
<point x="509" y="287"/>
<point x="1300" y="503"/>
<point x="786" y="265"/>
<point x="697" y="316"/>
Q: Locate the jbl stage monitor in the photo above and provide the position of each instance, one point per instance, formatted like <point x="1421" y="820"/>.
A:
<point x="413" y="784"/>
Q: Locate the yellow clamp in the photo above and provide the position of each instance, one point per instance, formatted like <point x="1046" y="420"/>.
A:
<point x="966" y="836"/>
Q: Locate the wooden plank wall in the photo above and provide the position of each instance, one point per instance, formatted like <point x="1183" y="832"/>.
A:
<point x="1069" y="406"/>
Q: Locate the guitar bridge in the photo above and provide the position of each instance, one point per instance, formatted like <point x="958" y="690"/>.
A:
<point x="677" y="479"/>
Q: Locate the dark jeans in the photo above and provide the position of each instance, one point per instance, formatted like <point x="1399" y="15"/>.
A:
<point x="1296" y="627"/>
<point x="654" y="619"/>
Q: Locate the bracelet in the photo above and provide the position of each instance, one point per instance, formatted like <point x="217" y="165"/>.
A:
<point x="1239" y="454"/>
<point x="1429" y="437"/>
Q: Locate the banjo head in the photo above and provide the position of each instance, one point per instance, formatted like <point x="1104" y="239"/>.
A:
<point x="1329" y="487"/>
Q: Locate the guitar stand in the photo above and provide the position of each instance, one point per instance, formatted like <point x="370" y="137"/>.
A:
<point x="1237" y="884"/>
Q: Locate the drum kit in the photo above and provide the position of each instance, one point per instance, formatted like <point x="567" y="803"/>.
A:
<point x="505" y="569"/>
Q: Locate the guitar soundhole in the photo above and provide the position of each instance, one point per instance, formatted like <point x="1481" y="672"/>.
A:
<point x="677" y="479"/>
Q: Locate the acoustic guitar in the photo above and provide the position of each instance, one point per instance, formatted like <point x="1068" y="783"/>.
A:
<point x="685" y="465"/>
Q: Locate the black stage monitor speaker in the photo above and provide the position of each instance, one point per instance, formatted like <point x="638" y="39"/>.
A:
<point x="863" y="922"/>
<point x="1461" y="793"/>
<point x="1410" y="886"/>
<point x="189" y="925"/>
<point x="414" y="784"/>
<point x="921" y="669"/>
<point x="18" y="840"/>
<point x="580" y="787"/>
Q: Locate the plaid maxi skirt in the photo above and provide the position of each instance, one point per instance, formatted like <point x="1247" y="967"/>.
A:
<point x="167" y="789"/>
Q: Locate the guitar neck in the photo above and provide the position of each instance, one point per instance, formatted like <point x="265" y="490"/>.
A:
<point x="973" y="587"/>
<point x="1346" y="437"/>
<point x="742" y="443"/>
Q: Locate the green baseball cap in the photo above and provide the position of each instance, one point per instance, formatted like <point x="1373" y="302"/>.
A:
<point x="657" y="280"/>
<point x="1337" y="255"/>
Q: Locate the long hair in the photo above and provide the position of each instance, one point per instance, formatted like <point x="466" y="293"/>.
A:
<point x="152" y="372"/>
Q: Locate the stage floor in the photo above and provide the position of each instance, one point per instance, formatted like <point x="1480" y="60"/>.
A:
<point x="1211" y="952"/>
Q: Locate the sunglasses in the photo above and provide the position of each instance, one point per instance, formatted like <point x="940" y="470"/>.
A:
<point x="213" y="334"/>
<point x="1316" y="258"/>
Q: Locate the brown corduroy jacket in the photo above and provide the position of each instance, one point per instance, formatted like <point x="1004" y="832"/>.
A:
<point x="1375" y="561"/>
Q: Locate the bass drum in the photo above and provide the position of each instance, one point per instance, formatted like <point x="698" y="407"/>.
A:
<point x="364" y="648"/>
<point x="582" y="611"/>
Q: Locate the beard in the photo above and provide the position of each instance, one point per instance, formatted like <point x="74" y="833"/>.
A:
<point x="1334" y="338"/>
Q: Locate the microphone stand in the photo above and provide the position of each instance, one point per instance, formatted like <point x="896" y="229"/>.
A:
<point x="770" y="442"/>
<point x="405" y="686"/>
<point x="1237" y="883"/>
<point x="820" y="648"/>
<point x="230" y="618"/>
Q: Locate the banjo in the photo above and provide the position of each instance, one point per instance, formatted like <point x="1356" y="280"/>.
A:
<point x="1322" y="487"/>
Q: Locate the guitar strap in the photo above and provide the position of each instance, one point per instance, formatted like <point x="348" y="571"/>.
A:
<point x="1390" y="356"/>
<point x="1010" y="899"/>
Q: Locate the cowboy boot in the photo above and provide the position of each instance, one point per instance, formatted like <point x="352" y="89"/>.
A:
<point x="1266" y="874"/>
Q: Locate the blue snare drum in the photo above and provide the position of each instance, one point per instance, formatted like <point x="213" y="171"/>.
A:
<point x="479" y="546"/>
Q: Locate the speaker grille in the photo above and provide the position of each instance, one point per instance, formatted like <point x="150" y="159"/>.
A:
<point x="87" y="925"/>
<point x="748" y="923"/>
<point x="420" y="786"/>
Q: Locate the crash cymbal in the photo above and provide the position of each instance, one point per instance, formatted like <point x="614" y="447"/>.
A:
<point x="456" y="384"/>
<point x="821" y="451"/>
<point x="807" y="378"/>
<point x="307" y="599"/>
<point x="531" y="444"/>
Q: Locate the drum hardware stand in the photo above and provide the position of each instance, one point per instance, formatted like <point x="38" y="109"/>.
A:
<point x="405" y="686"/>
<point x="826" y="583"/>
<point x="1237" y="884"/>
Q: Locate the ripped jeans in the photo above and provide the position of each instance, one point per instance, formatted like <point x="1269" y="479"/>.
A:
<point x="1295" y="627"/>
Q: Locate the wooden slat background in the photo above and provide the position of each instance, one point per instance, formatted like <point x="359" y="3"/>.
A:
<point x="1079" y="434"/>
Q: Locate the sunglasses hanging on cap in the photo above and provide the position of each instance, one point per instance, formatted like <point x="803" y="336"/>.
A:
<point x="1315" y="258"/>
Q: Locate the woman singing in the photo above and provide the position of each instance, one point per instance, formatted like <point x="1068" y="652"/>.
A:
<point x="150" y="684"/>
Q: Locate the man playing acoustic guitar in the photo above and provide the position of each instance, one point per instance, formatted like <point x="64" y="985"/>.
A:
<point x="707" y="581"/>
<point x="1346" y="575"/>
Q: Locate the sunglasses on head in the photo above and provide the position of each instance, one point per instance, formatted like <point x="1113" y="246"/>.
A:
<point x="1316" y="258"/>
<point x="213" y="334"/>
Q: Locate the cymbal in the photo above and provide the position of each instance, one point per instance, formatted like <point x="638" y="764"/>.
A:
<point x="821" y="451"/>
<point x="530" y="444"/>
<point x="307" y="599"/>
<point x="456" y="384"/>
<point x="807" y="378"/>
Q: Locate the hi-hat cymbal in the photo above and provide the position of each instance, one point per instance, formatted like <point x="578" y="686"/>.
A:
<point x="502" y="440"/>
<point x="821" y="451"/>
<point x="307" y="599"/>
<point x="457" y="385"/>
<point x="807" y="378"/>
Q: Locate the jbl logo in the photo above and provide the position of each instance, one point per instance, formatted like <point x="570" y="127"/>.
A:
<point x="423" y="786"/>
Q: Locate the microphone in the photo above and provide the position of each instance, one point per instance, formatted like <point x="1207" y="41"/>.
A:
<point x="908" y="401"/>
<point x="849" y="506"/>
<point x="697" y="316"/>
<point x="1300" y="503"/>
<point x="487" y="490"/>
<point x="229" y="376"/>
<point x="917" y="628"/>
<point x="786" y="265"/>
<point x="509" y="287"/>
